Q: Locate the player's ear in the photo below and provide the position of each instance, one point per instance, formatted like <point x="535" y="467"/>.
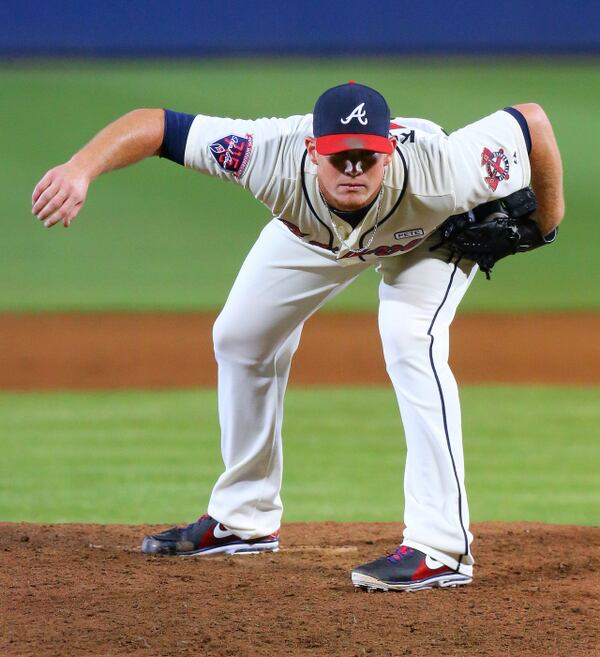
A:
<point x="311" y="148"/>
<point x="388" y="158"/>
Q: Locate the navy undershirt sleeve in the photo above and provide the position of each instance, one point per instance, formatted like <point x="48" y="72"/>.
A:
<point x="177" y="128"/>
<point x="523" y="123"/>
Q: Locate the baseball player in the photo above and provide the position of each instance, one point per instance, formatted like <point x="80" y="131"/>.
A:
<point x="347" y="189"/>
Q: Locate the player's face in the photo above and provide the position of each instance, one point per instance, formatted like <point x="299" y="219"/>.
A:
<point x="351" y="179"/>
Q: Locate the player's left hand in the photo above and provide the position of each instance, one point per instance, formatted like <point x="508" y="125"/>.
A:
<point x="484" y="242"/>
<point x="494" y="230"/>
<point x="60" y="195"/>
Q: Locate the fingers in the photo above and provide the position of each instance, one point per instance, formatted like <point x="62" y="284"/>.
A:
<point x="49" y="202"/>
<point x="43" y="198"/>
<point x="44" y="183"/>
<point x="59" y="195"/>
<point x="65" y="214"/>
<point x="46" y="190"/>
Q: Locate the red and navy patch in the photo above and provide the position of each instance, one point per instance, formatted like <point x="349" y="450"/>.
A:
<point x="496" y="166"/>
<point x="232" y="153"/>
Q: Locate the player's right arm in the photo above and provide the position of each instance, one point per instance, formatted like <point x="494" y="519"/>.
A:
<point x="61" y="192"/>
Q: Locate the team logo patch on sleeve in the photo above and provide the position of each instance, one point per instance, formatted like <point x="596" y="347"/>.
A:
<point x="232" y="153"/>
<point x="496" y="166"/>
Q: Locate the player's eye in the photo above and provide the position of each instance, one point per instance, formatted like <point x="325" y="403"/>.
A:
<point x="366" y="158"/>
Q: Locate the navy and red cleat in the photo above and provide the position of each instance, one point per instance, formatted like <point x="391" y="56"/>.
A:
<point x="406" y="569"/>
<point x="206" y="536"/>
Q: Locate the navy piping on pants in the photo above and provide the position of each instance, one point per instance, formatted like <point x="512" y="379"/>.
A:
<point x="439" y="385"/>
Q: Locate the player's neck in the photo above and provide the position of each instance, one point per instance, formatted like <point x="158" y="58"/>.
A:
<point x="353" y="217"/>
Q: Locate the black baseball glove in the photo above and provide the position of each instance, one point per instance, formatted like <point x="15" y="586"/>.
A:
<point x="494" y="230"/>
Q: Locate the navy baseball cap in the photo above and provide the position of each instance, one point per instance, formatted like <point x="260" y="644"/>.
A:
<point x="351" y="116"/>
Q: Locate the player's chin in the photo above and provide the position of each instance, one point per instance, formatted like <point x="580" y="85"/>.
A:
<point x="350" y="198"/>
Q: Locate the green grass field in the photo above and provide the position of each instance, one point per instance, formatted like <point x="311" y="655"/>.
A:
<point x="137" y="457"/>
<point x="156" y="236"/>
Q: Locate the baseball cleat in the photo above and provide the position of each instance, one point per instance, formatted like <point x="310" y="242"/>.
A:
<point x="406" y="569"/>
<point x="206" y="536"/>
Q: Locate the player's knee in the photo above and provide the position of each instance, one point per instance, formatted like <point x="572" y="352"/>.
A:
<point x="228" y="338"/>
<point x="406" y="349"/>
<point x="403" y="341"/>
<point x="234" y="340"/>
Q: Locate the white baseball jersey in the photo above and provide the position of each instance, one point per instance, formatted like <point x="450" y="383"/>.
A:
<point x="431" y="177"/>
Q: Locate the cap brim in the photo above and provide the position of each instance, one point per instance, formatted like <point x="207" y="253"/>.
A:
<point x="330" y="144"/>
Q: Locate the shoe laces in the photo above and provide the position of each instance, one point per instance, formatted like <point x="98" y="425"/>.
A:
<point x="401" y="552"/>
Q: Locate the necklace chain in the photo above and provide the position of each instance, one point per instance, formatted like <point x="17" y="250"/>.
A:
<point x="336" y="230"/>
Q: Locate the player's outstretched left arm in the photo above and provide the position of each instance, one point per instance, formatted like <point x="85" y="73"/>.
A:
<point x="546" y="169"/>
<point x="61" y="193"/>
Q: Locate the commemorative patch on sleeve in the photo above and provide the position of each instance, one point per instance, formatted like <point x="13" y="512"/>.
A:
<point x="496" y="166"/>
<point x="232" y="153"/>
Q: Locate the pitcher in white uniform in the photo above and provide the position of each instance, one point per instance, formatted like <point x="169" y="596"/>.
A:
<point x="347" y="189"/>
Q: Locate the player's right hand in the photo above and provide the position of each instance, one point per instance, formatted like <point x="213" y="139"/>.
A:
<point x="60" y="195"/>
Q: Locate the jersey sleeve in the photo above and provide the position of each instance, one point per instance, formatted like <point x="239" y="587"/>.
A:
<point x="251" y="153"/>
<point x="489" y="159"/>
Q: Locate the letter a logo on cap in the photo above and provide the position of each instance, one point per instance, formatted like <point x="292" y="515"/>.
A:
<point x="357" y="113"/>
<point x="336" y="131"/>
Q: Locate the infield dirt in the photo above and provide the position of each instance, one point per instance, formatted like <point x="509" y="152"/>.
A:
<point x="71" y="590"/>
<point x="87" y="590"/>
<point x="149" y="350"/>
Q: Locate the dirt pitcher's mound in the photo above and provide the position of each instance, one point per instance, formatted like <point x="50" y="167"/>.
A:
<point x="86" y="590"/>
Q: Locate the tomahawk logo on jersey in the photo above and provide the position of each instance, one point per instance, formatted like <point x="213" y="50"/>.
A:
<point x="496" y="166"/>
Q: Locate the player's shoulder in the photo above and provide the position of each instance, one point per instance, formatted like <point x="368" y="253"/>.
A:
<point x="415" y="136"/>
<point x="288" y="132"/>
<point x="279" y="146"/>
<point x="288" y="125"/>
<point x="507" y="128"/>
<point x="417" y="139"/>
<point x="400" y="126"/>
<point x="498" y="120"/>
<point x="421" y="146"/>
<point x="293" y="131"/>
<point x="300" y="122"/>
<point x="282" y="135"/>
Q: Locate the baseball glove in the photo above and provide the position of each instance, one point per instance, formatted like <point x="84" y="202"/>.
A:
<point x="493" y="231"/>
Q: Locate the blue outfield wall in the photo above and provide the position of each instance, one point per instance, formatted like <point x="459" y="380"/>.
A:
<point x="319" y="27"/>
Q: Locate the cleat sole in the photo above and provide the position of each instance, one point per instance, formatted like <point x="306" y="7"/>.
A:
<point x="153" y="548"/>
<point x="445" y="581"/>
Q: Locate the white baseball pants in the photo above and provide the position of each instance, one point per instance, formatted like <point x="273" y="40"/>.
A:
<point x="281" y="283"/>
